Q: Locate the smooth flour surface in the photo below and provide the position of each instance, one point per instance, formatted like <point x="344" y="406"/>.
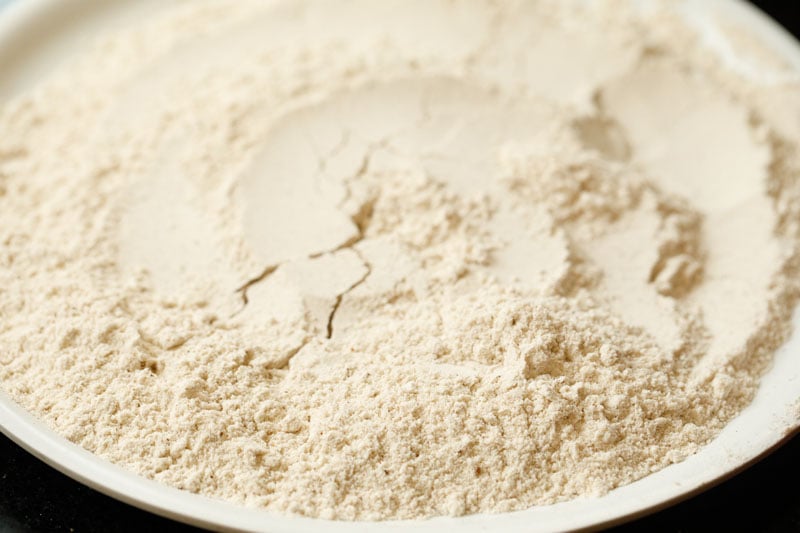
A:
<point x="378" y="260"/>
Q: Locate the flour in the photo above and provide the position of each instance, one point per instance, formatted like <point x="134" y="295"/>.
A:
<point x="470" y="257"/>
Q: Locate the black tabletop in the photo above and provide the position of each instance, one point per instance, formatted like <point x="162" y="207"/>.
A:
<point x="764" y="498"/>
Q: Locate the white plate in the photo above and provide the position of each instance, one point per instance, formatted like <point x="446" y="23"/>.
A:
<point x="36" y="34"/>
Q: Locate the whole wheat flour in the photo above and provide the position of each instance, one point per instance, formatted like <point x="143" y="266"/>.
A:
<point x="376" y="260"/>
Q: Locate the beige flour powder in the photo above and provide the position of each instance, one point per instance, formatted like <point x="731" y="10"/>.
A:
<point x="375" y="260"/>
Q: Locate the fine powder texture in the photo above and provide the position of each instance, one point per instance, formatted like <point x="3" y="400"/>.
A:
<point x="378" y="260"/>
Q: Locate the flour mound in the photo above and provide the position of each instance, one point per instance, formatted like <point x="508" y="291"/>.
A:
<point x="303" y="256"/>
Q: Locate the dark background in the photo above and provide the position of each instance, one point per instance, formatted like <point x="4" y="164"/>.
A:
<point x="765" y="498"/>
